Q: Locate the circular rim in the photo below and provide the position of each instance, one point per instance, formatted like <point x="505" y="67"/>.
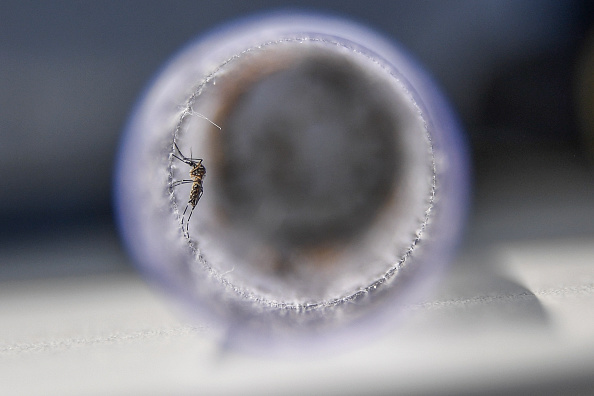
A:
<point x="449" y="187"/>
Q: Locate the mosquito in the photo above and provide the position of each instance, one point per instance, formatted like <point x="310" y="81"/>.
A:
<point x="197" y="174"/>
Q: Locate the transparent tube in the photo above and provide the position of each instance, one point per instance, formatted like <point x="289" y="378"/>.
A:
<point x="333" y="187"/>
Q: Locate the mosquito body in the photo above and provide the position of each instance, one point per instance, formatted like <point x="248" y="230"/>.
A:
<point x="197" y="174"/>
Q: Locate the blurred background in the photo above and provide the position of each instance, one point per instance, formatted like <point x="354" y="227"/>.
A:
<point x="520" y="74"/>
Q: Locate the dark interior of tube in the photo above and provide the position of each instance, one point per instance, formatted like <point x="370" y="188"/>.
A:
<point x="309" y="155"/>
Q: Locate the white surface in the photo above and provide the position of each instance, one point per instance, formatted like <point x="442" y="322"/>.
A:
<point x="523" y="320"/>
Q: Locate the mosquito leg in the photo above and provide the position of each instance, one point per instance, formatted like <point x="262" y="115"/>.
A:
<point x="178" y="150"/>
<point x="188" y="161"/>
<point x="183" y="216"/>
<point x="188" y="223"/>
<point x="179" y="182"/>
<point x="183" y="158"/>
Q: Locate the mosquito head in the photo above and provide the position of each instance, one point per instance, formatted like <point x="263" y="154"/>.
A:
<point x="193" y="162"/>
